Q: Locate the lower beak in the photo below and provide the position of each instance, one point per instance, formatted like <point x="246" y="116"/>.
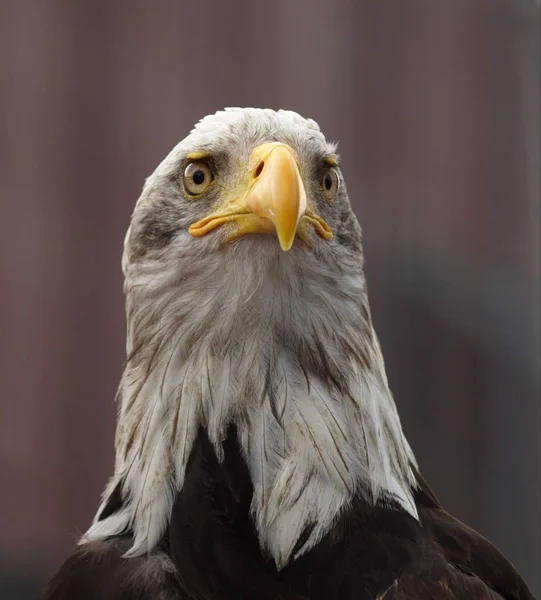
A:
<point x="274" y="199"/>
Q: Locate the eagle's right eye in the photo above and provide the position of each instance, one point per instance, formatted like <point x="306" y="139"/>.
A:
<point x="197" y="177"/>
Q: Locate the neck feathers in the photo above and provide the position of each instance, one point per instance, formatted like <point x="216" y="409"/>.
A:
<point x="266" y="350"/>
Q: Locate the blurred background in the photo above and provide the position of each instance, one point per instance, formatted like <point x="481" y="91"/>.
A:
<point x="435" y="104"/>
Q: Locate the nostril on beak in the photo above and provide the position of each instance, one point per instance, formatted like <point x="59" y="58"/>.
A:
<point x="259" y="169"/>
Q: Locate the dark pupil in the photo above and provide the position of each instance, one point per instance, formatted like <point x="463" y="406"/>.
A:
<point x="198" y="177"/>
<point x="328" y="182"/>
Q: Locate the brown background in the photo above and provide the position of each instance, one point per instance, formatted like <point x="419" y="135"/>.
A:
<point x="436" y="107"/>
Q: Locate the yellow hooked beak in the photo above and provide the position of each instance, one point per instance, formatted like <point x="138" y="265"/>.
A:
<point x="272" y="199"/>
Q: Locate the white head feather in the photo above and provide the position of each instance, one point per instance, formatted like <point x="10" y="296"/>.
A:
<point x="279" y="344"/>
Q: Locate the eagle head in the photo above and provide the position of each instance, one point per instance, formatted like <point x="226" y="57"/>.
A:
<point x="246" y="305"/>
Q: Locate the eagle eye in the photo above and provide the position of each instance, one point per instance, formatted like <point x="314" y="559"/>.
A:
<point x="330" y="182"/>
<point x="197" y="177"/>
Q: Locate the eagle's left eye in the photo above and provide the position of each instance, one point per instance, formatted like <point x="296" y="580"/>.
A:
<point x="197" y="177"/>
<point x="330" y="182"/>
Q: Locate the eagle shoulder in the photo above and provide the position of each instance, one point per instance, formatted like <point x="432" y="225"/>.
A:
<point x="97" y="571"/>
<point x="473" y="566"/>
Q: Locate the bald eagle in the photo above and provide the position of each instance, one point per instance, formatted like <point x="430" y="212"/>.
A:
<point x="259" y="452"/>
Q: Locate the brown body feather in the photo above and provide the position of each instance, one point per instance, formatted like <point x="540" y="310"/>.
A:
<point x="211" y="552"/>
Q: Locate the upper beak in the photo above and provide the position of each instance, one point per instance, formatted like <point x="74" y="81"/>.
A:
<point x="277" y="192"/>
<point x="273" y="199"/>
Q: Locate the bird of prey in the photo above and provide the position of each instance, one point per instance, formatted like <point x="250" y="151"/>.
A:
<point x="259" y="452"/>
